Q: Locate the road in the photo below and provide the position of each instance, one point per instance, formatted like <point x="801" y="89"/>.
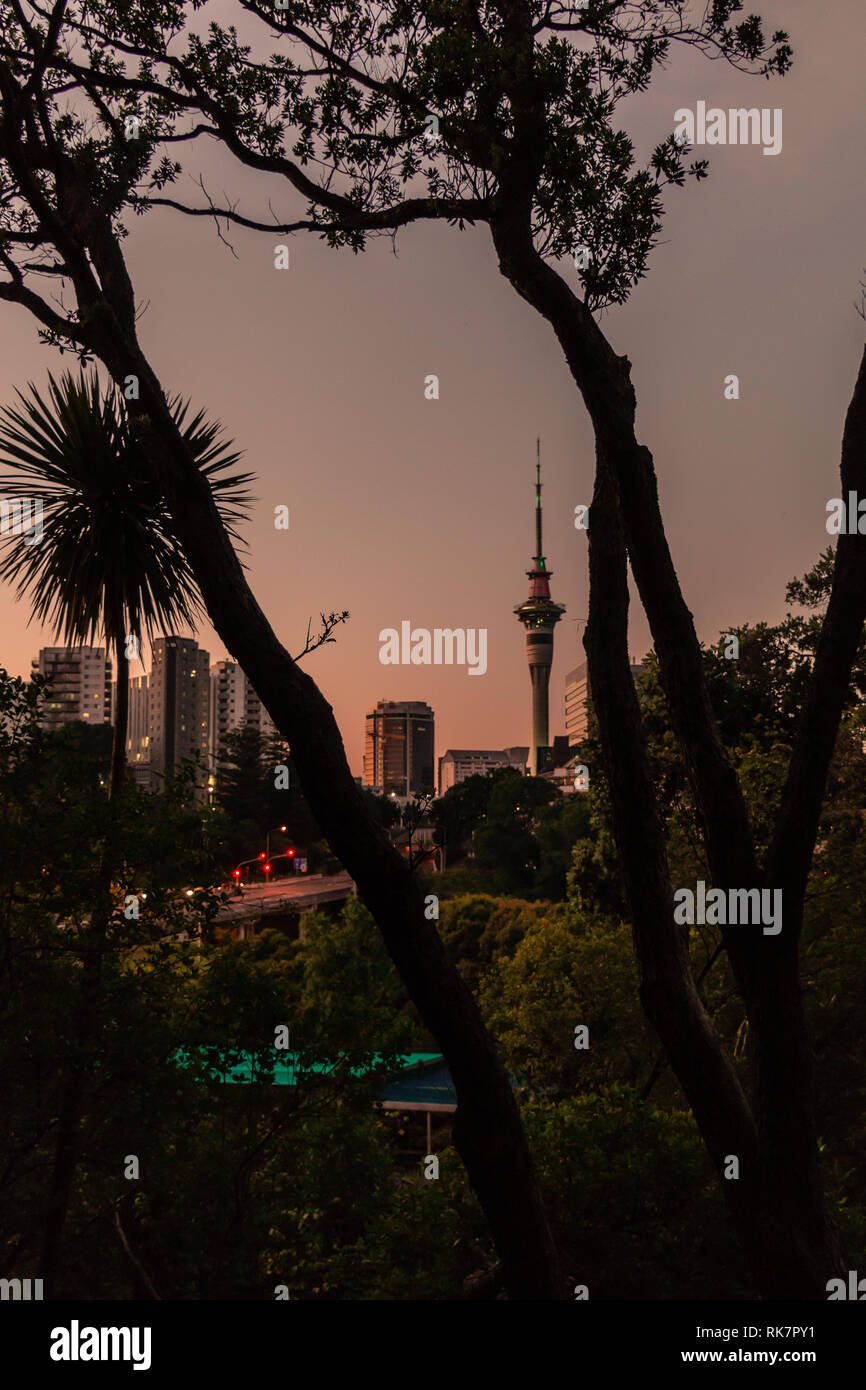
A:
<point x="305" y="891"/>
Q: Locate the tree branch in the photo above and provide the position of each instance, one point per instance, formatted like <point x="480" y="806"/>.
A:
<point x="796" y="830"/>
<point x="667" y="988"/>
<point x="328" y="624"/>
<point x="146" y="1279"/>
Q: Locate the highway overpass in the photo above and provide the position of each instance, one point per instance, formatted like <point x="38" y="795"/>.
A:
<point x="286" y="895"/>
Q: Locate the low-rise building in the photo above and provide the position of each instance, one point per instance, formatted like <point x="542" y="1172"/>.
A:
<point x="457" y="764"/>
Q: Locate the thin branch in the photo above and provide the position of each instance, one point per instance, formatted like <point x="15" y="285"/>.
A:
<point x="328" y="624"/>
<point x="134" y="1258"/>
<point x="16" y="292"/>
<point x="468" y="210"/>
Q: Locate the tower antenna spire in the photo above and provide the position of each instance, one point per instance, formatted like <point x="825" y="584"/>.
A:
<point x="539" y="553"/>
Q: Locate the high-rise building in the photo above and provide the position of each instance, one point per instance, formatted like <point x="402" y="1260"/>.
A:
<point x="80" y="686"/>
<point x="578" y="701"/>
<point x="539" y="615"/>
<point x="399" y="748"/>
<point x="256" y="715"/>
<point x="577" y="705"/>
<point x="233" y="702"/>
<point x="138" y="730"/>
<point x="179" y="693"/>
<point x="227" y="706"/>
<point x="456" y="764"/>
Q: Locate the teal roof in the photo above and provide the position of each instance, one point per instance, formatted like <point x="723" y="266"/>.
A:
<point x="283" y="1068"/>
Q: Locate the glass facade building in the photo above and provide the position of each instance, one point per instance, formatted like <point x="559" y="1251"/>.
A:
<point x="399" y="741"/>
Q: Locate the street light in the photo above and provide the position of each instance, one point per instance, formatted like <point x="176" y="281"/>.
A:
<point x="271" y="832"/>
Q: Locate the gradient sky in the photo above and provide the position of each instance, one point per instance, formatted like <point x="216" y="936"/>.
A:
<point x="408" y="508"/>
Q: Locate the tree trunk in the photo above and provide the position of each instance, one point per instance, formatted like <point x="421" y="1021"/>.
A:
<point x="117" y="775"/>
<point x="668" y="992"/>
<point x="796" y="829"/>
<point x="799" y="1245"/>
<point x="67" y="1147"/>
<point x="74" y="1096"/>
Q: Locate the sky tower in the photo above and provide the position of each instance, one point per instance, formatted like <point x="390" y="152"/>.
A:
<point x="539" y="615"/>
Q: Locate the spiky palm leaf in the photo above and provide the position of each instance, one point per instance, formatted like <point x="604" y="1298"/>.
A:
<point x="108" y="559"/>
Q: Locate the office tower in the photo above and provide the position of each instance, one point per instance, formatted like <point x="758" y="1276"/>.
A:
<point x="577" y="705"/>
<point x="578" y="701"/>
<point x="138" y="730"/>
<point x="256" y="715"/>
<point x="539" y="615"/>
<point x="227" y="706"/>
<point x="179" y="693"/>
<point x="456" y="764"/>
<point x="233" y="702"/>
<point x="80" y="685"/>
<point x="398" y="757"/>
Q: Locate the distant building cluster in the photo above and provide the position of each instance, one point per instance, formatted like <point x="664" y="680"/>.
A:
<point x="186" y="707"/>
<point x="399" y="737"/>
<point x="183" y="708"/>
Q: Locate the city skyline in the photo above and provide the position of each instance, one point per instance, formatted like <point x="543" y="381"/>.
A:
<point x="743" y="483"/>
<point x="516" y="727"/>
<point x="230" y="700"/>
<point x="232" y="703"/>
